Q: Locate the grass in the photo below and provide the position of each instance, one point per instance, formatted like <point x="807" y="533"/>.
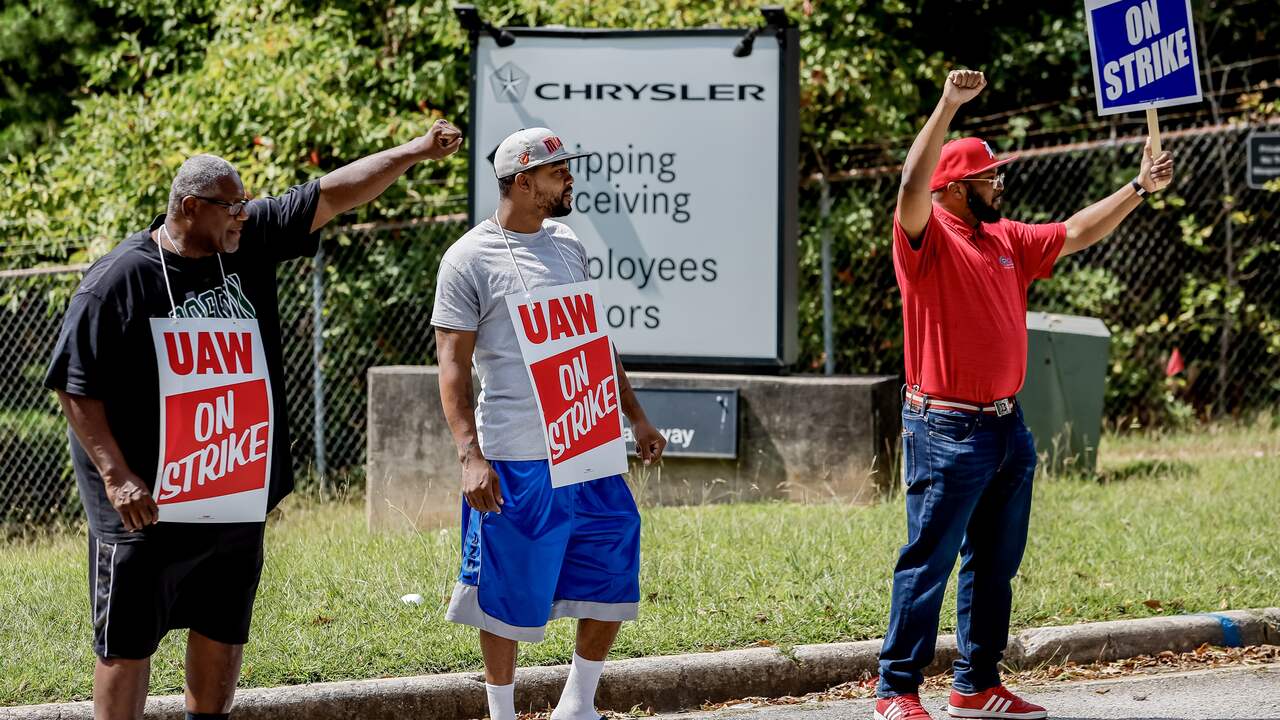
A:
<point x="1181" y="523"/>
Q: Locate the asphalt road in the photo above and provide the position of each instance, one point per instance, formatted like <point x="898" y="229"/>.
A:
<point x="1234" y="693"/>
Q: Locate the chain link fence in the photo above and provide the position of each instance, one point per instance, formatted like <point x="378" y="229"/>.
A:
<point x="35" y="470"/>
<point x="1188" y="285"/>
<point x="365" y="300"/>
<point x="1197" y="271"/>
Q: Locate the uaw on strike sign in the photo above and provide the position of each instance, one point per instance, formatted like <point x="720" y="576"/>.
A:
<point x="216" y="421"/>
<point x="570" y="361"/>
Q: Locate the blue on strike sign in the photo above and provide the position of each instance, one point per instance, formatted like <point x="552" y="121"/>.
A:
<point x="1144" y="54"/>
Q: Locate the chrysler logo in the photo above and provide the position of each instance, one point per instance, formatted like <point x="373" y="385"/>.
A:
<point x="509" y="83"/>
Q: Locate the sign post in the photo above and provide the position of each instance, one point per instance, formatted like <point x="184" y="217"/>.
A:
<point x="1153" y="131"/>
<point x="1144" y="57"/>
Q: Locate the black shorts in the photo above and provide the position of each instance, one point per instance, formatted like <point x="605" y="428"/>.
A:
<point x="198" y="576"/>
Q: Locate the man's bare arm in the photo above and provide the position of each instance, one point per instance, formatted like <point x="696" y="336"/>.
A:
<point x="480" y="485"/>
<point x="649" y="442"/>
<point x="126" y="491"/>
<point x="914" y="198"/>
<point x="1099" y="219"/>
<point x="351" y="186"/>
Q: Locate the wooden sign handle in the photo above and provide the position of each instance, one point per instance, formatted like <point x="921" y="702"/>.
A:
<point x="1153" y="132"/>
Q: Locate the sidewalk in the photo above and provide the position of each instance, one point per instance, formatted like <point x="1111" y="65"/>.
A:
<point x="688" y="681"/>
<point x="1251" y="693"/>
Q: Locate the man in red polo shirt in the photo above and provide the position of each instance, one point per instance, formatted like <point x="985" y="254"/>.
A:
<point x="968" y="459"/>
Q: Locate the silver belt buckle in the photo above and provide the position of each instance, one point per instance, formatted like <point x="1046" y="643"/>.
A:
<point x="1003" y="407"/>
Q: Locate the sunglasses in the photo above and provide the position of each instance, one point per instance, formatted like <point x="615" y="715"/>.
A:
<point x="233" y="208"/>
<point x="997" y="182"/>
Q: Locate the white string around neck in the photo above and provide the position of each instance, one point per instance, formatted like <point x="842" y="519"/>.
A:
<point x="512" y="253"/>
<point x="164" y="268"/>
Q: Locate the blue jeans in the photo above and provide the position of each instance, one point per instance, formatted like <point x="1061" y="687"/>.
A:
<point x="968" y="486"/>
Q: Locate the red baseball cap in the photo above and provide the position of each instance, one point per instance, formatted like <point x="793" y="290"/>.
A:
<point x="964" y="158"/>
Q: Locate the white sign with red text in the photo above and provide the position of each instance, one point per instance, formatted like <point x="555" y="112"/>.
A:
<point x="216" y="420"/>
<point x="571" y="365"/>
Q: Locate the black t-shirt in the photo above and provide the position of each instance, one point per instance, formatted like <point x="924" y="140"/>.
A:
<point x="105" y="350"/>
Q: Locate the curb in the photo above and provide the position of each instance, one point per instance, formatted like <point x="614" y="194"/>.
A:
<point x="685" y="681"/>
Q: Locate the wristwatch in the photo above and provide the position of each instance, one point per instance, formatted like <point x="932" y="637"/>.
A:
<point x="1137" y="187"/>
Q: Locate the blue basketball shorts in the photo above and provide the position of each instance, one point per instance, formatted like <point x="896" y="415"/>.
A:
<point x="572" y="551"/>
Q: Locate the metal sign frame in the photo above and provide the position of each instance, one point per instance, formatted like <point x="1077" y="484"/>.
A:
<point x="788" y="331"/>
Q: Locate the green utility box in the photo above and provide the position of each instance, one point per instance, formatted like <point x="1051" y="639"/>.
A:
<point x="1067" y="360"/>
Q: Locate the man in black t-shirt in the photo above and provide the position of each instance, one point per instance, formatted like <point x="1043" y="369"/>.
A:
<point x="170" y="371"/>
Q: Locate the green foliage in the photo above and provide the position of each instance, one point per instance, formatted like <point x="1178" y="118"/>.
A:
<point x="281" y="95"/>
<point x="288" y="90"/>
<point x="33" y="42"/>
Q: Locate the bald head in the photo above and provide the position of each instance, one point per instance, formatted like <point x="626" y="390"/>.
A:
<point x="199" y="175"/>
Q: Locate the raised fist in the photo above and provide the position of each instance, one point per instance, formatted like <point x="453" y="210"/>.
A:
<point x="441" y="140"/>
<point x="962" y="86"/>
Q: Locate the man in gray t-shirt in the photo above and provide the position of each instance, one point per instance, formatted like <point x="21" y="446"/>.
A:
<point x="530" y="552"/>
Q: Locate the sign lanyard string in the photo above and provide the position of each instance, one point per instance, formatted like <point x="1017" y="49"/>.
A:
<point x="165" y="269"/>
<point x="512" y="253"/>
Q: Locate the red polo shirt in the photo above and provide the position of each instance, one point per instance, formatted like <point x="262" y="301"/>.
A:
<point x="964" y="303"/>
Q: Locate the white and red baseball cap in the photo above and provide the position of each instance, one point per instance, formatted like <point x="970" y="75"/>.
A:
<point x="527" y="149"/>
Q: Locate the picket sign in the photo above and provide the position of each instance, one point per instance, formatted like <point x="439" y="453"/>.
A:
<point x="571" y="365"/>
<point x="1144" y="57"/>
<point x="216" y="420"/>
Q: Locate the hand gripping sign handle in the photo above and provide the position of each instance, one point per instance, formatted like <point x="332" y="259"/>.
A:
<point x="1153" y="131"/>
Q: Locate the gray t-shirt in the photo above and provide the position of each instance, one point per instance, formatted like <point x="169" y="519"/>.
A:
<point x="476" y="275"/>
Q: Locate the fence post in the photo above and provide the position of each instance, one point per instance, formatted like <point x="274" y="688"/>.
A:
<point x="317" y="353"/>
<point x="1224" y="344"/>
<point x="1228" y="205"/>
<point x="824" y="230"/>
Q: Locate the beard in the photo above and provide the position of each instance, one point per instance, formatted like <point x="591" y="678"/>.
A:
<point x="983" y="210"/>
<point x="555" y="205"/>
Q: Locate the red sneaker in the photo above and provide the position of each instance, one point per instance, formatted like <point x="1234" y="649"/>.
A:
<point x="996" y="702"/>
<point x="901" y="707"/>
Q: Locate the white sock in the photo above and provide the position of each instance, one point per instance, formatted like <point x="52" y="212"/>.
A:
<point x="578" y="701"/>
<point x="502" y="701"/>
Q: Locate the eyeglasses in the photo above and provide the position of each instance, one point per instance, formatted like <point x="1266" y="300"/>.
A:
<point x="997" y="182"/>
<point x="233" y="208"/>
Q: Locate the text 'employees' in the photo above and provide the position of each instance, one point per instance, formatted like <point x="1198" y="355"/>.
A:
<point x="644" y="272"/>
